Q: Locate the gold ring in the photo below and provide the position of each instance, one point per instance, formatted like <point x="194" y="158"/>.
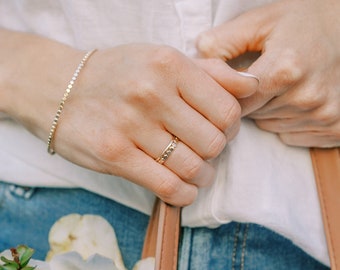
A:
<point x="168" y="150"/>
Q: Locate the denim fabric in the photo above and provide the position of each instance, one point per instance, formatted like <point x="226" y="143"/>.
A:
<point x="241" y="246"/>
<point x="26" y="216"/>
<point x="27" y="219"/>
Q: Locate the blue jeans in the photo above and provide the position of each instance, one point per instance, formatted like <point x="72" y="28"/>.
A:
<point x="26" y="215"/>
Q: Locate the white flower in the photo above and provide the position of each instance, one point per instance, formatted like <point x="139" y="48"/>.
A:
<point x="145" y="264"/>
<point x="87" y="235"/>
<point x="83" y="243"/>
<point x="74" y="261"/>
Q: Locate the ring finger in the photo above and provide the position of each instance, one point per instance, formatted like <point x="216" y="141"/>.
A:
<point x="181" y="160"/>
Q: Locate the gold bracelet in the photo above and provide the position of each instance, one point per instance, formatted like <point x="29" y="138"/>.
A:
<point x="62" y="102"/>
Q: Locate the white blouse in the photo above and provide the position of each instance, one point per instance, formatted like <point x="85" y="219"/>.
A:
<point x="259" y="179"/>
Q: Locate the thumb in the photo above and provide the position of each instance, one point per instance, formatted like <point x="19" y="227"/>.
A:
<point x="246" y="32"/>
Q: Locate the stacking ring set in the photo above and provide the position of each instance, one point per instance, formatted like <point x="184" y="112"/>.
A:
<point x="168" y="150"/>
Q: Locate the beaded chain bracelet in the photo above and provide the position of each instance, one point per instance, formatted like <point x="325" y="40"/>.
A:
<point x="62" y="102"/>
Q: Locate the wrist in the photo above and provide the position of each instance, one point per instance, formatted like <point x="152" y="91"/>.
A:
<point x="34" y="72"/>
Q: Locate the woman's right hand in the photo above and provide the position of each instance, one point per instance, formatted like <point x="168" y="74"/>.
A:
<point x="124" y="109"/>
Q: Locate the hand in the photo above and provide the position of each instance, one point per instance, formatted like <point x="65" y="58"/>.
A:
<point x="130" y="101"/>
<point x="123" y="109"/>
<point x="299" y="70"/>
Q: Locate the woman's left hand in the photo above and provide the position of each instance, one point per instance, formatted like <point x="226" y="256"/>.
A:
<point x="299" y="69"/>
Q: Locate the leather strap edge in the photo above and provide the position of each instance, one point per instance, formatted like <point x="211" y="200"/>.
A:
<point x="150" y="240"/>
<point x="326" y="165"/>
<point x="162" y="236"/>
<point x="168" y="237"/>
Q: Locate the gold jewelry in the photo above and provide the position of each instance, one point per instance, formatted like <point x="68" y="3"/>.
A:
<point x="168" y="150"/>
<point x="62" y="102"/>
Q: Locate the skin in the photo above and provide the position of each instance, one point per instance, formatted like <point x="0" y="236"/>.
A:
<point x="123" y="109"/>
<point x="298" y="96"/>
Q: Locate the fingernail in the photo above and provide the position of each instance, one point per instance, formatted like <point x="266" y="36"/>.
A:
<point x="248" y="75"/>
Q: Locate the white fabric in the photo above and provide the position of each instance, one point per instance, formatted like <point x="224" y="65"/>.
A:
<point x="259" y="179"/>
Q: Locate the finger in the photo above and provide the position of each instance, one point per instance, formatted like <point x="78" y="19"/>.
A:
<point x="210" y="100"/>
<point x="277" y="110"/>
<point x="190" y="167"/>
<point x="235" y="37"/>
<point x="144" y="171"/>
<point x="182" y="160"/>
<point x="282" y="125"/>
<point x="277" y="75"/>
<point x="322" y="118"/>
<point x="194" y="130"/>
<point x="310" y="139"/>
<point x="286" y="111"/>
<point x="117" y="155"/>
<point x="239" y="84"/>
<point x="301" y="98"/>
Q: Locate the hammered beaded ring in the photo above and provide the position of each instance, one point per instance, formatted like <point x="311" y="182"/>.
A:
<point x="168" y="150"/>
<point x="53" y="128"/>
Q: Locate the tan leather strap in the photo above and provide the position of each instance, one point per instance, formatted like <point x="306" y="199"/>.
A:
<point x="150" y="241"/>
<point x="326" y="163"/>
<point x="162" y="237"/>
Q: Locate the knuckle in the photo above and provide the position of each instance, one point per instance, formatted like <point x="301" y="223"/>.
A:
<point x="289" y="71"/>
<point x="164" y="58"/>
<point x="232" y="131"/>
<point x="192" y="166"/>
<point x="230" y="114"/>
<point x="206" y="43"/>
<point x="145" y="94"/>
<point x="327" y="115"/>
<point x="216" y="145"/>
<point x="308" y="100"/>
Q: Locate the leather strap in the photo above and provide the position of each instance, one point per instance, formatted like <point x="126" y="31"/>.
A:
<point x="326" y="164"/>
<point x="162" y="236"/>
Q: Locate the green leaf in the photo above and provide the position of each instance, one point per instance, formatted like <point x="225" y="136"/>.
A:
<point x="9" y="267"/>
<point x="5" y="260"/>
<point x="26" y="254"/>
<point x="21" y="257"/>
<point x="9" y="262"/>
